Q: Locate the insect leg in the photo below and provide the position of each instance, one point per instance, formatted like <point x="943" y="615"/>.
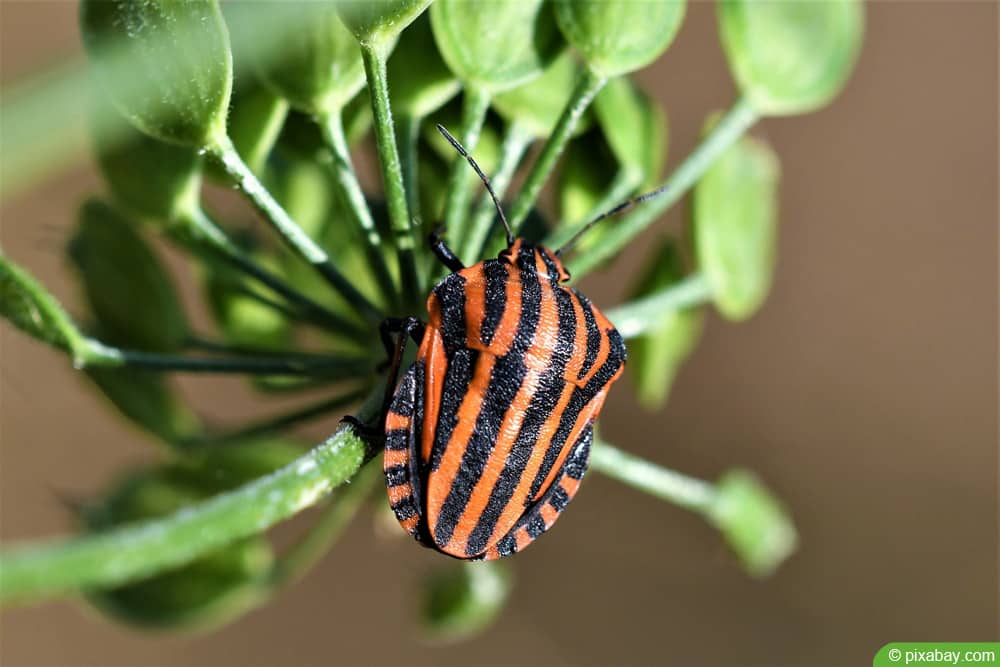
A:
<point x="444" y="254"/>
<point x="405" y="327"/>
<point x="543" y="513"/>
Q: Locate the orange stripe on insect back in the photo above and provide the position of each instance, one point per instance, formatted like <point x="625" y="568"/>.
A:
<point x="475" y="301"/>
<point x="570" y="485"/>
<point x="503" y="337"/>
<point x="549" y="514"/>
<point x="541" y="356"/>
<point x="586" y="416"/>
<point x="395" y="421"/>
<point x="522" y="538"/>
<point x="439" y="483"/>
<point x="395" y="457"/>
<point x="519" y="499"/>
<point x="435" y="360"/>
<point x="399" y="493"/>
<point x="410" y="524"/>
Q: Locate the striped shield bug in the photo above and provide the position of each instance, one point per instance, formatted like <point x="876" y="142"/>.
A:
<point x="488" y="433"/>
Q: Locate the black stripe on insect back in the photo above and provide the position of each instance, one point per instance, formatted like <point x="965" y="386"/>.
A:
<point x="451" y="296"/>
<point x="578" y="400"/>
<point x="593" y="335"/>
<point x="543" y="403"/>
<point x="497" y="278"/>
<point x="505" y="381"/>
<point x="457" y="378"/>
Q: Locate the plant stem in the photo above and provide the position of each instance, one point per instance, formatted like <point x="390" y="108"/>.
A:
<point x="99" y="354"/>
<point x="392" y="174"/>
<point x="225" y="153"/>
<point x="305" y="553"/>
<point x="625" y="182"/>
<point x="688" y="492"/>
<point x="726" y="132"/>
<point x="273" y="424"/>
<point x="586" y="88"/>
<point x="409" y="141"/>
<point x="332" y="127"/>
<point x="636" y="317"/>
<point x="515" y="143"/>
<point x="475" y="104"/>
<point x="202" y="230"/>
<point x="144" y="548"/>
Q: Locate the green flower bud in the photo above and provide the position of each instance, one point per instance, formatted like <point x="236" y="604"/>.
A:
<point x="791" y="57"/>
<point x="32" y="309"/>
<point x="255" y="122"/>
<point x="320" y="70"/>
<point x="539" y="103"/>
<point x="420" y="81"/>
<point x="656" y="357"/>
<point x="616" y="38"/>
<point x="735" y="220"/>
<point x="463" y="600"/>
<point x="129" y="291"/>
<point x="753" y="522"/>
<point x="166" y="65"/>
<point x="147" y="400"/>
<point x="496" y="45"/>
<point x="379" y="22"/>
<point x="635" y="127"/>
<point x="149" y="177"/>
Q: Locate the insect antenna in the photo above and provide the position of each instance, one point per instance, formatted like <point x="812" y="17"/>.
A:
<point x="489" y="188"/>
<point x="627" y="204"/>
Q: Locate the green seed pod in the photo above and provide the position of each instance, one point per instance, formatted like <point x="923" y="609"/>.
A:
<point x="656" y="357"/>
<point x="166" y="65"/>
<point x="463" y="600"/>
<point x="149" y="177"/>
<point x="498" y="45"/>
<point x="735" y="225"/>
<point x="539" y="103"/>
<point x="635" y="127"/>
<point x="31" y="308"/>
<point x="379" y="22"/>
<point x="753" y="522"/>
<point x="147" y="400"/>
<point x="616" y="38"/>
<point x="420" y="81"/>
<point x="791" y="57"/>
<point x="129" y="291"/>
<point x="320" y="70"/>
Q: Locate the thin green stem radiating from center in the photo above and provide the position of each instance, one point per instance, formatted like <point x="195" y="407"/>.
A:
<point x="332" y="127"/>
<point x="227" y="156"/>
<point x="392" y="173"/>
<point x="586" y="88"/>
<point x="636" y="317"/>
<point x="725" y="133"/>
<point x="475" y="104"/>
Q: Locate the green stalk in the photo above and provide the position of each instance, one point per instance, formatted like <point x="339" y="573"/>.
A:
<point x="99" y="354"/>
<point x="681" y="490"/>
<point x="636" y="317"/>
<point x="144" y="548"/>
<point x="229" y="159"/>
<point x="475" y="104"/>
<point x="305" y="553"/>
<point x="333" y="133"/>
<point x="198" y="228"/>
<point x="409" y="133"/>
<point x="392" y="174"/>
<point x="515" y="144"/>
<point x="725" y="133"/>
<point x="586" y="88"/>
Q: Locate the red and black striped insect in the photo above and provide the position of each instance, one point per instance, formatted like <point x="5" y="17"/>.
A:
<point x="488" y="434"/>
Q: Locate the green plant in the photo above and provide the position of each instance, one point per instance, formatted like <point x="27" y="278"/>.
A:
<point x="183" y="542"/>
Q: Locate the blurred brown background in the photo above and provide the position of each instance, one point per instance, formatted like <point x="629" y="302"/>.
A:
<point x="865" y="394"/>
